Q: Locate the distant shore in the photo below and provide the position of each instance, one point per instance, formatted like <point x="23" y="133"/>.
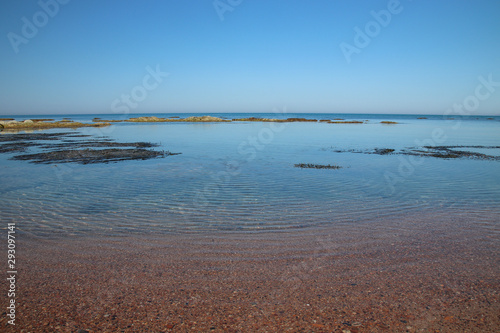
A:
<point x="39" y="124"/>
<point x="92" y="121"/>
<point x="12" y="124"/>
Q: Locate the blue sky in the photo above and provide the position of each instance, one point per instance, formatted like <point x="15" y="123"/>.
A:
<point x="248" y="56"/>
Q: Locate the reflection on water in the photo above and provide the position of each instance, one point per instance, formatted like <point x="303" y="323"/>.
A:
<point x="241" y="176"/>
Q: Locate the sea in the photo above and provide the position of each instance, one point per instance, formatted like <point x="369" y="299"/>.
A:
<point x="242" y="177"/>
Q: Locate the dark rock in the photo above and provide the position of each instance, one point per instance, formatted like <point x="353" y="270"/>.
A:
<point x="70" y="149"/>
<point x="316" y="166"/>
<point x="88" y="156"/>
<point x="383" y="151"/>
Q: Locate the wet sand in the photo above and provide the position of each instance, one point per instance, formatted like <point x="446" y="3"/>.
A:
<point x="431" y="273"/>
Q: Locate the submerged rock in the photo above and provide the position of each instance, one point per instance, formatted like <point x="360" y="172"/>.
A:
<point x="316" y="166"/>
<point x="13" y="147"/>
<point x="17" y="137"/>
<point x="69" y="147"/>
<point x="445" y="152"/>
<point x="346" y="122"/>
<point x="383" y="151"/>
<point x="86" y="156"/>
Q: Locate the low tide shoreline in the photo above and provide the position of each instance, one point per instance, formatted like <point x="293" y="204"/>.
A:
<point x="24" y="123"/>
<point x="38" y="124"/>
<point x="433" y="273"/>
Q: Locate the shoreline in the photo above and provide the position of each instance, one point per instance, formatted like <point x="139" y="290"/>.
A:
<point x="10" y="124"/>
<point x="117" y="248"/>
<point x="40" y="124"/>
<point x="431" y="273"/>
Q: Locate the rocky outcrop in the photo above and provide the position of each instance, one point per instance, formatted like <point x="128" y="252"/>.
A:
<point x="30" y="124"/>
<point x="154" y="119"/>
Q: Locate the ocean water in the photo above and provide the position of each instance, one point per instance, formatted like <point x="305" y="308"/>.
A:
<point x="240" y="177"/>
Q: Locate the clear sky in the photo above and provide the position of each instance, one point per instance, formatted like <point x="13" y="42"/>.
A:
<point x="79" y="56"/>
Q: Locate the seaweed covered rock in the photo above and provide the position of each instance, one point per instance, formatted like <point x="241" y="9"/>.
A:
<point x="205" y="119"/>
<point x="75" y="148"/>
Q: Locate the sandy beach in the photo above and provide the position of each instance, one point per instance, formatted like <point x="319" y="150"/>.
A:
<point x="432" y="273"/>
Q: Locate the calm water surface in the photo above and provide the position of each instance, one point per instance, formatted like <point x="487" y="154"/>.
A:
<point x="241" y="177"/>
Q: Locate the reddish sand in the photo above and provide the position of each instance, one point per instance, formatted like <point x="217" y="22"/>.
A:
<point x="413" y="275"/>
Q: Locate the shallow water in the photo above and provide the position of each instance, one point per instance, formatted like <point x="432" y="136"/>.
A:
<point x="241" y="177"/>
